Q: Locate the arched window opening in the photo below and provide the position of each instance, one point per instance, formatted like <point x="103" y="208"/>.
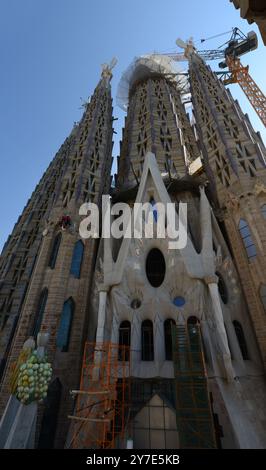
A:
<point x="55" y="249"/>
<point x="168" y="339"/>
<point x="63" y="334"/>
<point x="147" y="348"/>
<point x="192" y="320"/>
<point x="49" y="420"/>
<point x="124" y="340"/>
<point x="39" y="313"/>
<point x="241" y="340"/>
<point x="77" y="259"/>
<point x="245" y="234"/>
<point x="222" y="288"/>
<point x="263" y="295"/>
<point x="263" y="211"/>
<point x="155" y="267"/>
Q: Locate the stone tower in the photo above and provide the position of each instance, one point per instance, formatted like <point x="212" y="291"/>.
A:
<point x="156" y="300"/>
<point x="46" y="268"/>
<point x="235" y="161"/>
<point x="156" y="121"/>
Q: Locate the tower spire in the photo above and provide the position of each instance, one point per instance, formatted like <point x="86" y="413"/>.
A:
<point x="56" y="289"/>
<point x="157" y="121"/>
<point x="107" y="69"/>
<point x="235" y="160"/>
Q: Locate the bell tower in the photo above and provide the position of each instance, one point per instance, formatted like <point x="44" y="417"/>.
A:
<point x="156" y="121"/>
<point x="235" y="161"/>
<point x="56" y="300"/>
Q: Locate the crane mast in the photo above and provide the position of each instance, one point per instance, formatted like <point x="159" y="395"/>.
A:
<point x="240" y="75"/>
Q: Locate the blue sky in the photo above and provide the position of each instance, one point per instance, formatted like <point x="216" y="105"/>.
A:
<point x="51" y="52"/>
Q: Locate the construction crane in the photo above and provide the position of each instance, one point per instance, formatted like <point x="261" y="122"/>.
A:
<point x="238" y="45"/>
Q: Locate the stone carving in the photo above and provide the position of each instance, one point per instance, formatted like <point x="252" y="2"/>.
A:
<point x="107" y="68"/>
<point x="32" y="373"/>
<point x="232" y="203"/>
<point x="198" y="265"/>
<point x="259" y="188"/>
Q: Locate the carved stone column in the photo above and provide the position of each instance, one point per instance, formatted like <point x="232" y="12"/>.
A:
<point x="222" y="341"/>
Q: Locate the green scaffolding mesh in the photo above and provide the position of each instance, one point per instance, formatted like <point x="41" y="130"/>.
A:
<point x="193" y="408"/>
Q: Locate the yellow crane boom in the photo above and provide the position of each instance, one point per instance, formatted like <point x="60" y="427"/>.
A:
<point x="240" y="75"/>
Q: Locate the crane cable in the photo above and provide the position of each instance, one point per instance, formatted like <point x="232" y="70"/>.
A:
<point x="216" y="36"/>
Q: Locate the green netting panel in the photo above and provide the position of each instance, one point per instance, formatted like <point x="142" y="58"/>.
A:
<point x="193" y="409"/>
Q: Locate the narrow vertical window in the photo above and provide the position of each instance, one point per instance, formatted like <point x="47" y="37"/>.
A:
<point x="63" y="334"/>
<point x="55" y="249"/>
<point x="263" y="295"/>
<point x="168" y="339"/>
<point x="39" y="313"/>
<point x="245" y="234"/>
<point x="77" y="259"/>
<point x="124" y="340"/>
<point x="147" y="341"/>
<point x="241" y="339"/>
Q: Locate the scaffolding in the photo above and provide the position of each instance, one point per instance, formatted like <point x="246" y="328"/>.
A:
<point x="145" y="66"/>
<point x="101" y="418"/>
<point x="193" y="407"/>
<point x="103" y="410"/>
<point x="240" y="74"/>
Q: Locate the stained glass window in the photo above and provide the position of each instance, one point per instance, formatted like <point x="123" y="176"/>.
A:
<point x="77" y="259"/>
<point x="63" y="334"/>
<point x="245" y="234"/>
